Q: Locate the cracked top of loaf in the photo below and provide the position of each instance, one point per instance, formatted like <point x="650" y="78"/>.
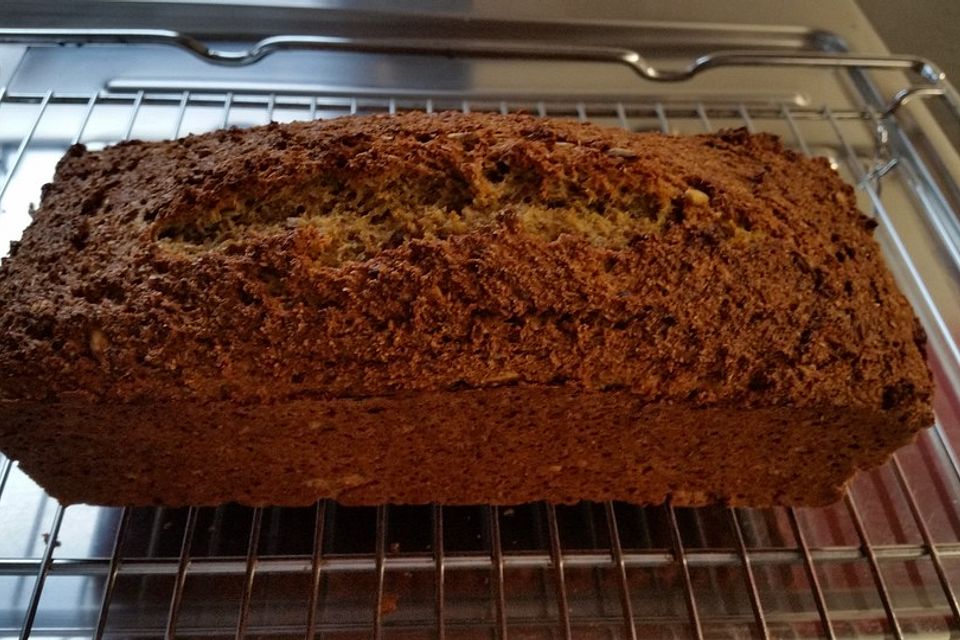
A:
<point x="384" y="254"/>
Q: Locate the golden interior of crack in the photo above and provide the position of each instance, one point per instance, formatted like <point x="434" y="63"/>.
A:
<point x="357" y="219"/>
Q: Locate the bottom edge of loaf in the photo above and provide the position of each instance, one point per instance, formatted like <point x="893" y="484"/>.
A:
<point x="507" y="445"/>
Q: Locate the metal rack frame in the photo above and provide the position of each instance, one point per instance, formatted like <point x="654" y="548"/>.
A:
<point x="551" y="557"/>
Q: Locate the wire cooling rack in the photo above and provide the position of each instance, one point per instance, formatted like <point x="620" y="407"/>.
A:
<point x="884" y="562"/>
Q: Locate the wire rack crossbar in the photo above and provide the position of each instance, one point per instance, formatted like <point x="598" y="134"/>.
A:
<point x="348" y="103"/>
<point x="700" y="558"/>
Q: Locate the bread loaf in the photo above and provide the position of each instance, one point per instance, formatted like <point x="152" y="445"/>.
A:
<point x="452" y="308"/>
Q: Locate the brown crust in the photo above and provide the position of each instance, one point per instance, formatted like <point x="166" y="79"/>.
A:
<point x="504" y="445"/>
<point x="768" y="293"/>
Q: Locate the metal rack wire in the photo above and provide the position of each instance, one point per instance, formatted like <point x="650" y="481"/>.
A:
<point x="883" y="563"/>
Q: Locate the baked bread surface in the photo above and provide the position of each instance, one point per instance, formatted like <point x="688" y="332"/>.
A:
<point x="452" y="308"/>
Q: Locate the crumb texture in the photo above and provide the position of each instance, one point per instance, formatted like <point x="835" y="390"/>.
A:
<point x="379" y="256"/>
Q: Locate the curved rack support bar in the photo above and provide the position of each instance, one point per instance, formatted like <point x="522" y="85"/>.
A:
<point x="925" y="69"/>
<point x="904" y="96"/>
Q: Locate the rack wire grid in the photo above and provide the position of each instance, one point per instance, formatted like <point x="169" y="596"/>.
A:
<point x="884" y="562"/>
